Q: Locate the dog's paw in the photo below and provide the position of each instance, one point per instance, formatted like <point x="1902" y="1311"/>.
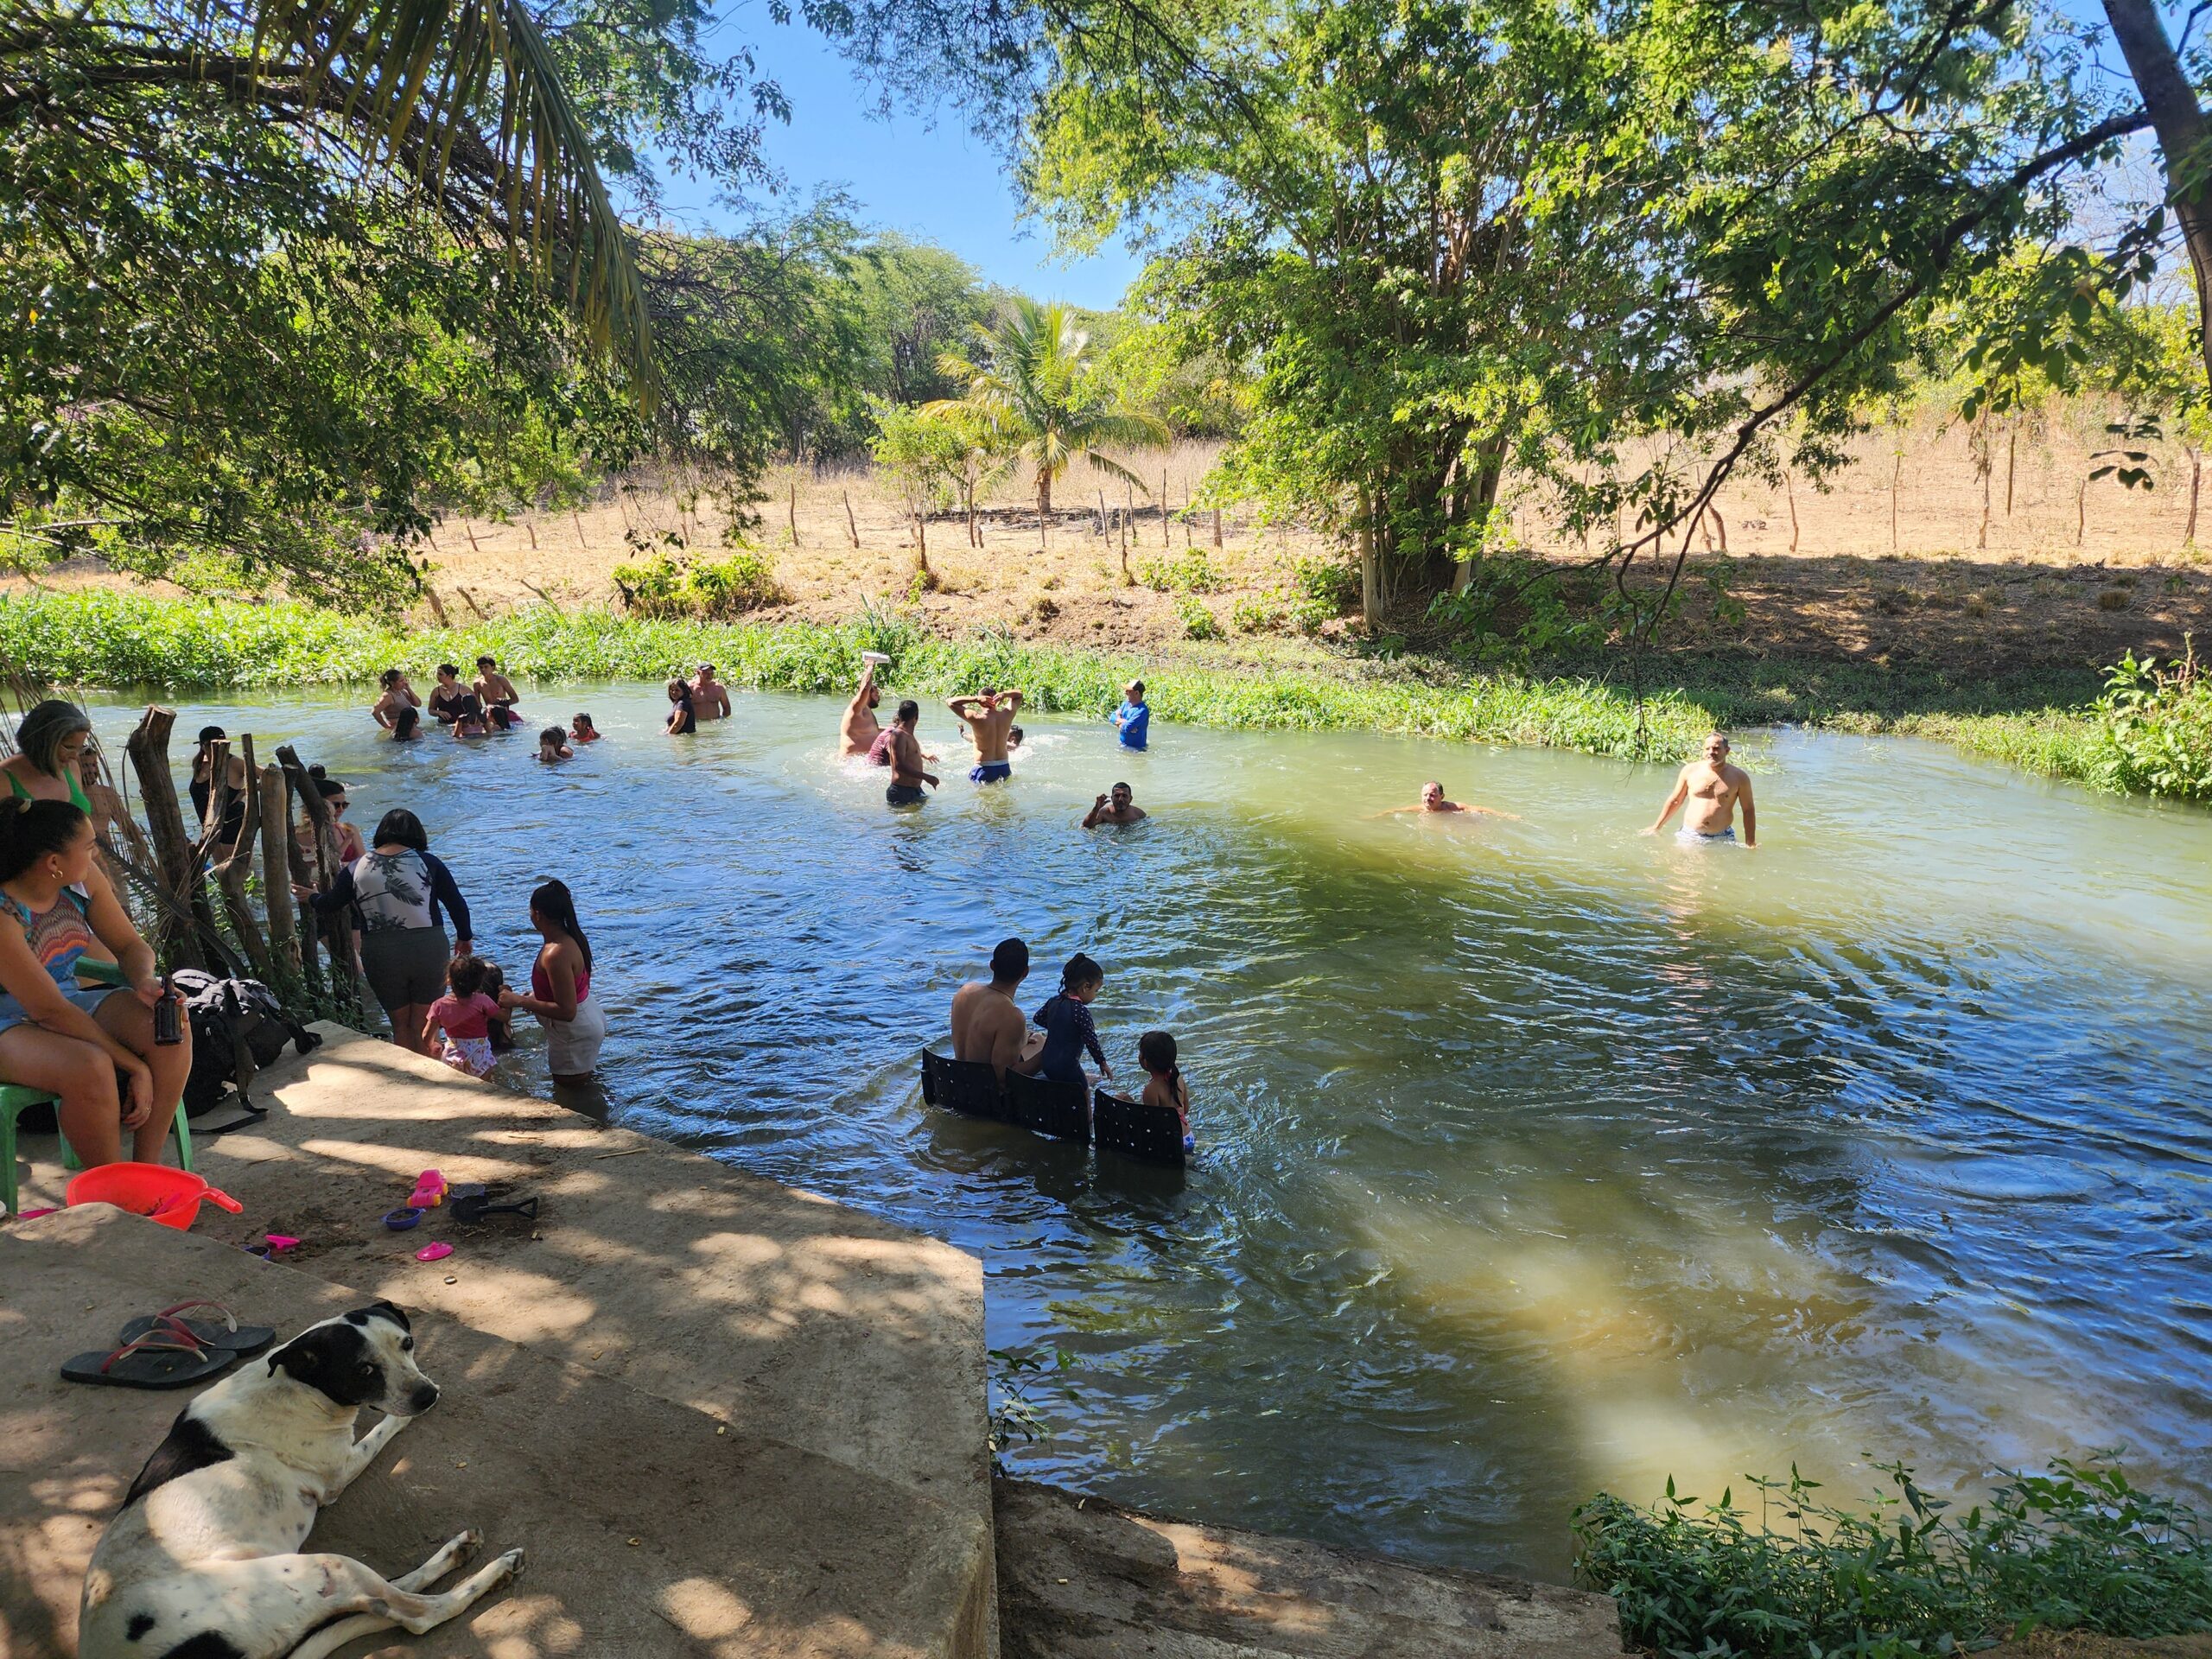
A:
<point x="465" y="1544"/>
<point x="510" y="1566"/>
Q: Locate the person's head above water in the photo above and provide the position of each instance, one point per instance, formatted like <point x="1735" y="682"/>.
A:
<point x="1134" y="691"/>
<point x="706" y="670"/>
<point x="1013" y="737"/>
<point x="581" y="724"/>
<point x="55" y="732"/>
<point x="465" y="974"/>
<point x="678" y="691"/>
<point x="1081" y="978"/>
<point x="448" y="672"/>
<point x="910" y="714"/>
<point x="553" y="907"/>
<point x="400" y="827"/>
<point x="1716" y="746"/>
<point x="1009" y="963"/>
<point x="551" y="737"/>
<point x="488" y="662"/>
<point x="1156" y="1053"/>
<point x="390" y="677"/>
<point x="1121" y="796"/>
<point x="1432" y="795"/>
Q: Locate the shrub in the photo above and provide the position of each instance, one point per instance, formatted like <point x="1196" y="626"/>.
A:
<point x="2155" y="728"/>
<point x="1321" y="589"/>
<point x="1198" y="622"/>
<point x="1188" y="572"/>
<point x="1257" y="613"/>
<point x="2078" y="1548"/>
<point x="710" y="590"/>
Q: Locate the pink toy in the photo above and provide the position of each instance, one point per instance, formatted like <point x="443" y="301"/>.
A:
<point x="434" y="1253"/>
<point x="279" y="1243"/>
<point x="429" y="1190"/>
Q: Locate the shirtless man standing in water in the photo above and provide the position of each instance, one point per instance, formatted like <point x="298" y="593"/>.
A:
<point x="1714" y="789"/>
<point x="860" y="727"/>
<point x="710" y="696"/>
<point x="990" y="717"/>
<point x="988" y="1024"/>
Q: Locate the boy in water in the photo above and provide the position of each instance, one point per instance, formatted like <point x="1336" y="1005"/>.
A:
<point x="989" y="715"/>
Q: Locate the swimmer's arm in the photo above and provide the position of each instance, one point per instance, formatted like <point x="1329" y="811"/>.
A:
<point x="1391" y="812"/>
<point x="859" y="698"/>
<point x="1490" y="812"/>
<point x="1673" y="803"/>
<point x="380" y="716"/>
<point x="1090" y="818"/>
<point x="960" y="706"/>
<point x="1750" y="815"/>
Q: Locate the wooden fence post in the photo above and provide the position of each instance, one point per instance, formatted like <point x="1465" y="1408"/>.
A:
<point x="230" y="874"/>
<point x="148" y="749"/>
<point x="277" y="867"/>
<point x="337" y="927"/>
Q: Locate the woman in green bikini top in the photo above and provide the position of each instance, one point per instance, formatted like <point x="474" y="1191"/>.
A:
<point x="48" y="741"/>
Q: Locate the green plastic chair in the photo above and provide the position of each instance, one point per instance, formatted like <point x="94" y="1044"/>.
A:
<point x="16" y="1098"/>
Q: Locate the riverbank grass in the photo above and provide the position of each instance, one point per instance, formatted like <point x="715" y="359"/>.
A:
<point x="2077" y="1548"/>
<point x="2043" y="722"/>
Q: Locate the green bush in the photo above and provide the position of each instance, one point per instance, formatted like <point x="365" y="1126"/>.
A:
<point x="2078" y="1548"/>
<point x="2155" y="728"/>
<point x="1257" y="613"/>
<point x="1198" y="622"/>
<point x="1187" y="572"/>
<point x="714" y="590"/>
<point x="1321" y="589"/>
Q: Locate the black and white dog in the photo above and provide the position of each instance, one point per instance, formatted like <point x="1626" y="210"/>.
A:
<point x="203" y="1560"/>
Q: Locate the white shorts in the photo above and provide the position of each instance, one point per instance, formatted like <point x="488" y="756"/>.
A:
<point x="572" y="1046"/>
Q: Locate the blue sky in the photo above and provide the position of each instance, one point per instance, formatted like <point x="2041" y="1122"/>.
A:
<point x="935" y="184"/>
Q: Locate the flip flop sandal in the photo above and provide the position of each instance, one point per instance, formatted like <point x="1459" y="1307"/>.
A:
<point x="222" y="1332"/>
<point x="470" y="1204"/>
<point x="156" y="1360"/>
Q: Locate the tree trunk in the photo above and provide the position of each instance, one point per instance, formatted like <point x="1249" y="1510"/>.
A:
<point x="277" y="867"/>
<point x="1897" y="477"/>
<point x="2196" y="481"/>
<point x="2011" y="450"/>
<point x="1164" y="537"/>
<point x="148" y="749"/>
<point x="852" y="525"/>
<point x="1371" y="595"/>
<point x="1217" y="526"/>
<point x="2178" y="119"/>
<point x="794" y="512"/>
<point x="1981" y="540"/>
<point x="2081" y="510"/>
<point x="1790" y="489"/>
<point x="1044" y="507"/>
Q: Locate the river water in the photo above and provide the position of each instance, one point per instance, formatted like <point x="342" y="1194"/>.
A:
<point x="1535" y="1156"/>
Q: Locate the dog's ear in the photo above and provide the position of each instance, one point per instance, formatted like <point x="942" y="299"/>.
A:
<point x="392" y="1313"/>
<point x="302" y="1357"/>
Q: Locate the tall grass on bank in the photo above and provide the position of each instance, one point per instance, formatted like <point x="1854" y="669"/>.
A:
<point x="2077" y="1548"/>
<point x="103" y="638"/>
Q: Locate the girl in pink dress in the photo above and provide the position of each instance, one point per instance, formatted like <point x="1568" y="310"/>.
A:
<point x="464" y="1015"/>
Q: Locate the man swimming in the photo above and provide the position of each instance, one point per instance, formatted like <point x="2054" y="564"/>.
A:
<point x="859" y="730"/>
<point x="1432" y="800"/>
<point x="1119" y="806"/>
<point x="990" y="716"/>
<point x="903" y="754"/>
<point x="987" y="1025"/>
<point x="1713" y="789"/>
<point x="710" y="696"/>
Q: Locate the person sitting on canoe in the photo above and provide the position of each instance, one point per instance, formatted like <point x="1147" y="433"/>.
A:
<point x="988" y="1024"/>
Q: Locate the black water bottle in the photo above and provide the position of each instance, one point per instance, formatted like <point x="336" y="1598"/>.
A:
<point x="168" y="1016"/>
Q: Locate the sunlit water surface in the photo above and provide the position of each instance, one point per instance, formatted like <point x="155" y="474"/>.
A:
<point x="1535" y="1157"/>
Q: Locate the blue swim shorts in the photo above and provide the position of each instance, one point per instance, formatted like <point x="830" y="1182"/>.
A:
<point x="1701" y="835"/>
<point x="997" y="772"/>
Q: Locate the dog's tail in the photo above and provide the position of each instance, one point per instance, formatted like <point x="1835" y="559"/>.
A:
<point x="331" y="1637"/>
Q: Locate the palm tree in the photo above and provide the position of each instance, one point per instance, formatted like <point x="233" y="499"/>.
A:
<point x="461" y="100"/>
<point x="1030" y="383"/>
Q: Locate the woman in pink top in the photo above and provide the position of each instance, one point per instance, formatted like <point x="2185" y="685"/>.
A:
<point x="464" y="1014"/>
<point x="560" y="987"/>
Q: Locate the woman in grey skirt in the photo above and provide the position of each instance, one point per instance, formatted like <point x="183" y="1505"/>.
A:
<point x="396" y="890"/>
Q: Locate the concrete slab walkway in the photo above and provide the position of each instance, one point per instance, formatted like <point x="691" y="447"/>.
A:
<point x="665" y="1290"/>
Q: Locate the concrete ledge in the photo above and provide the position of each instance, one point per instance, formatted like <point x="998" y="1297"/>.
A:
<point x="651" y="1529"/>
<point x="791" y="1319"/>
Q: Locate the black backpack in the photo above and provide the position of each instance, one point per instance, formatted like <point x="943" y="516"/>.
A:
<point x="237" y="1028"/>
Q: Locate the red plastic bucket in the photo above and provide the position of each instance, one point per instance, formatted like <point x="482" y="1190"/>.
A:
<point x="171" y="1197"/>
